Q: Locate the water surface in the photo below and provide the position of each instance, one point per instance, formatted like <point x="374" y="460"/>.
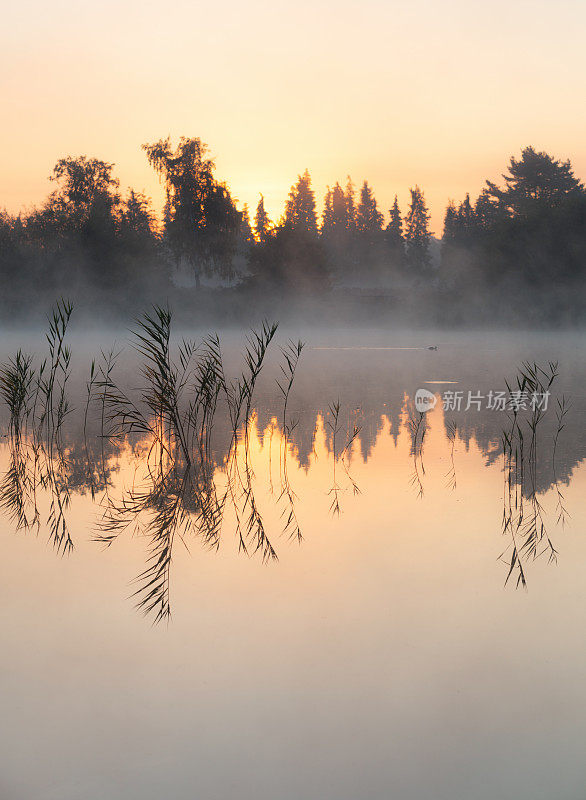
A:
<point x="382" y="655"/>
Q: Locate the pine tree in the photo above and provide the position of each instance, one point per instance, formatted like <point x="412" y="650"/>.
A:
<point x="450" y="222"/>
<point x="466" y="217"/>
<point x="327" y="224"/>
<point x="335" y="213"/>
<point x="536" y="178"/>
<point x="369" y="219"/>
<point x="417" y="233"/>
<point x="262" y="223"/>
<point x="350" y="205"/>
<point x="246" y="234"/>
<point x="488" y="211"/>
<point x="300" y="213"/>
<point x="340" y="208"/>
<point x="394" y="229"/>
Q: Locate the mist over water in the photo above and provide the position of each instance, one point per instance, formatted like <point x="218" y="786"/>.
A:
<point x="511" y="257"/>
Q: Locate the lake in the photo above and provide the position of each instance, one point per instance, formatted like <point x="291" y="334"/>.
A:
<point x="367" y="599"/>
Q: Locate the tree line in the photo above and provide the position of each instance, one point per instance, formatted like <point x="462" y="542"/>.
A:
<point x="527" y="233"/>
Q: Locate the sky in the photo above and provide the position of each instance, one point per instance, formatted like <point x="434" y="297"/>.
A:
<point x="438" y="94"/>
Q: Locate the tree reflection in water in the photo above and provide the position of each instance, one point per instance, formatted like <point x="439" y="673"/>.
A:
<point x="189" y="431"/>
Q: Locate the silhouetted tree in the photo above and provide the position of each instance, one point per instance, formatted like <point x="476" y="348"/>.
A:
<point x="262" y="223"/>
<point x="246" y="234"/>
<point x="466" y="217"/>
<point x="84" y="202"/>
<point x="136" y="216"/>
<point x="460" y="225"/>
<point x="337" y="230"/>
<point x="417" y="233"/>
<point x="84" y="183"/>
<point x="369" y="219"/>
<point x="138" y="256"/>
<point x="293" y="257"/>
<point x="78" y="223"/>
<point x="363" y="254"/>
<point x="450" y="223"/>
<point x="523" y="244"/>
<point x="327" y="217"/>
<point x="535" y="178"/>
<point x="17" y="258"/>
<point x="350" y="205"/>
<point x="335" y="217"/>
<point x="202" y="223"/>
<point x="246" y="243"/>
<point x="520" y="248"/>
<point x="488" y="212"/>
<point x="300" y="213"/>
<point x="394" y="235"/>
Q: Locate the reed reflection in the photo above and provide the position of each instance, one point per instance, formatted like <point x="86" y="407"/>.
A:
<point x="193" y="435"/>
<point x="524" y="521"/>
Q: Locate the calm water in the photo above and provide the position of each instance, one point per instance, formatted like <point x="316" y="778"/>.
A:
<point x="382" y="656"/>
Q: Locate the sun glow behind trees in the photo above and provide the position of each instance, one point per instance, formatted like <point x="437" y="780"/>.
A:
<point x="88" y="237"/>
<point x="428" y="93"/>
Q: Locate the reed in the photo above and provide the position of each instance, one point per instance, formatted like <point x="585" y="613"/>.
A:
<point x="175" y="411"/>
<point x="524" y="519"/>
<point x="451" y="433"/>
<point x="16" y="381"/>
<point x="353" y="434"/>
<point x="562" y="410"/>
<point x="417" y="427"/>
<point x="38" y="405"/>
<point x="333" y="423"/>
<point x="291" y="355"/>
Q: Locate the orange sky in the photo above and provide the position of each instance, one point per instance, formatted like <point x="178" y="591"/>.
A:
<point x="420" y="91"/>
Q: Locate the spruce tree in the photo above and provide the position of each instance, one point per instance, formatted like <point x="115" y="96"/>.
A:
<point x="350" y="205"/>
<point x="262" y="223"/>
<point x="394" y="231"/>
<point x="335" y="213"/>
<point x="466" y="217"/>
<point x="300" y="213"/>
<point x="246" y="234"/>
<point x="369" y="219"/>
<point x="450" y="222"/>
<point x="417" y="233"/>
<point x="327" y="224"/>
